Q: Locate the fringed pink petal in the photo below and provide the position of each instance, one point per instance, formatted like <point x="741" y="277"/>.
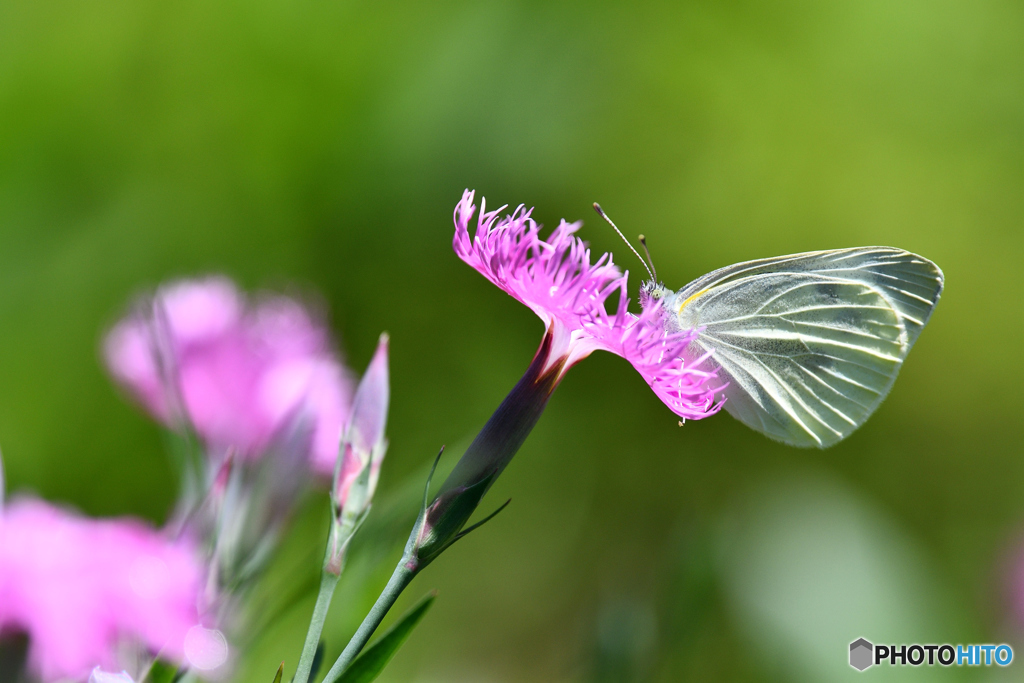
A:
<point x="556" y="279"/>
<point x="689" y="389"/>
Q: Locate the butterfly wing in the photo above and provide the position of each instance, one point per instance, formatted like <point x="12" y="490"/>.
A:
<point x="810" y="343"/>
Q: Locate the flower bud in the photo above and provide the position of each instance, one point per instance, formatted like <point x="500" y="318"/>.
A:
<point x="360" y="454"/>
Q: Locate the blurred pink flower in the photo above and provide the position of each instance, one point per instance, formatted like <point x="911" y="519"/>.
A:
<point x="555" y="278"/>
<point x="240" y="372"/>
<point x="80" y="588"/>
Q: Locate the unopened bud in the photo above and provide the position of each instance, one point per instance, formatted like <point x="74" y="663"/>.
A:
<point x="360" y="454"/>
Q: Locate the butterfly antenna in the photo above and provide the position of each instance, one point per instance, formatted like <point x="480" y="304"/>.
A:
<point x="602" y="214"/>
<point x="643" y="243"/>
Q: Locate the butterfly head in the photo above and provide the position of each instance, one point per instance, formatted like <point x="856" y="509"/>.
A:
<point x="654" y="293"/>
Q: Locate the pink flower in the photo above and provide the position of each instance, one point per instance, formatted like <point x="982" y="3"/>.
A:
<point x="556" y="279"/>
<point x="82" y="588"/>
<point x="239" y="372"/>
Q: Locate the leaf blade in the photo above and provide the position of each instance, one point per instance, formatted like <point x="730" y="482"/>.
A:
<point x="161" y="672"/>
<point x="371" y="663"/>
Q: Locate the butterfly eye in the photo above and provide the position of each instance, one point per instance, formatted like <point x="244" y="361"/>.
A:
<point x="656" y="294"/>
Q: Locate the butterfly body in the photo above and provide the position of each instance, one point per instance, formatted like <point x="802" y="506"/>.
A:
<point x="809" y="343"/>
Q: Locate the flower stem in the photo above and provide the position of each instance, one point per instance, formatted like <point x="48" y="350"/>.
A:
<point x="396" y="584"/>
<point x="328" y="582"/>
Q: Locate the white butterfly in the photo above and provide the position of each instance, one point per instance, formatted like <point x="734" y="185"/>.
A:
<point x="809" y="343"/>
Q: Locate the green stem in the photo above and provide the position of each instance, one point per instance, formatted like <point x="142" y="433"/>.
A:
<point x="328" y="582"/>
<point x="396" y="584"/>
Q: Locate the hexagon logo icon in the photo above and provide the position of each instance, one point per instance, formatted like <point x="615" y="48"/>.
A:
<point x="861" y="654"/>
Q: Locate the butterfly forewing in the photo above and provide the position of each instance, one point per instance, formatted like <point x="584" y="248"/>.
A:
<point x="810" y="343"/>
<point x="911" y="283"/>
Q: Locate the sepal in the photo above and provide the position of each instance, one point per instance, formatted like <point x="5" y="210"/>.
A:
<point x="443" y="521"/>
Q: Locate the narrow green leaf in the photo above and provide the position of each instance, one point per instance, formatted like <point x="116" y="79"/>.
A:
<point x="369" y="664"/>
<point x="280" y="672"/>
<point x="161" y="672"/>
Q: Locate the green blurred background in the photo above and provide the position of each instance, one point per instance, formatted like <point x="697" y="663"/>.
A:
<point x="324" y="144"/>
